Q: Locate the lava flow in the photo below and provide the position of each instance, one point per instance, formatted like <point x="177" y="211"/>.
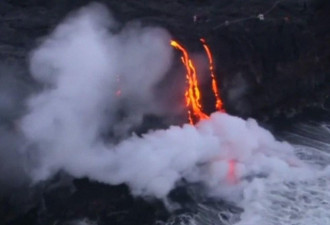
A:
<point x="218" y="104"/>
<point x="192" y="94"/>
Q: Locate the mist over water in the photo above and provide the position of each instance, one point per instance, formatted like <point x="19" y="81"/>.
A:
<point x="304" y="201"/>
<point x="83" y="64"/>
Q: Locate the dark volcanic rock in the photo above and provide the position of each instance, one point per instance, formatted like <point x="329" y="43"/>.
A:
<point x="271" y="57"/>
<point x="96" y="202"/>
<point x="269" y="54"/>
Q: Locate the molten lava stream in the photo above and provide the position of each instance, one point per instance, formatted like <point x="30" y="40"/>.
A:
<point x="192" y="94"/>
<point x="218" y="104"/>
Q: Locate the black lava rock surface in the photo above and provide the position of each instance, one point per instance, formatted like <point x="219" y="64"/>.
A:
<point x="272" y="58"/>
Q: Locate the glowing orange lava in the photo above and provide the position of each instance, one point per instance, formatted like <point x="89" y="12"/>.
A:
<point x="218" y="104"/>
<point x="192" y="94"/>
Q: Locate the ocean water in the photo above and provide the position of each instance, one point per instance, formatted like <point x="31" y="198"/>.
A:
<point x="303" y="201"/>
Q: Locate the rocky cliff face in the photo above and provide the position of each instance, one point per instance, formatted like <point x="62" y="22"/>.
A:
<point x="271" y="57"/>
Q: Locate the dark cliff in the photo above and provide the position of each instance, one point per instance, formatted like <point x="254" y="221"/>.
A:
<point x="271" y="56"/>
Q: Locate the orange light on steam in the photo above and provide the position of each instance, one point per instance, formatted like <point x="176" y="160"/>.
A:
<point x="231" y="175"/>
<point x="218" y="104"/>
<point x="118" y="93"/>
<point x="192" y="94"/>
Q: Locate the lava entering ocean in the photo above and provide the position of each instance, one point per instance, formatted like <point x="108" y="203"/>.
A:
<point x="193" y="95"/>
<point x="66" y="124"/>
<point x="193" y="92"/>
<point x="97" y="86"/>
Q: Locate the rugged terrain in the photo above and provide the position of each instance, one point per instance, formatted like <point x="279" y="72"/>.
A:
<point x="272" y="59"/>
<point x="270" y="56"/>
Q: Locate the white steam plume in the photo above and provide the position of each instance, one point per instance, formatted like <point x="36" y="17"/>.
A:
<point x="79" y="65"/>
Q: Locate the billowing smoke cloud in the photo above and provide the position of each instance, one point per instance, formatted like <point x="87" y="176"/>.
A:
<point x="82" y="66"/>
<point x="94" y="81"/>
<point x="83" y="61"/>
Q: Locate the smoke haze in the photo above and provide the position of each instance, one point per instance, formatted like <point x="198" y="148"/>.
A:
<point x="97" y="80"/>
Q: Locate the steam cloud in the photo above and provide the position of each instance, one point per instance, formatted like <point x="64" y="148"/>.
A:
<point x="81" y="66"/>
